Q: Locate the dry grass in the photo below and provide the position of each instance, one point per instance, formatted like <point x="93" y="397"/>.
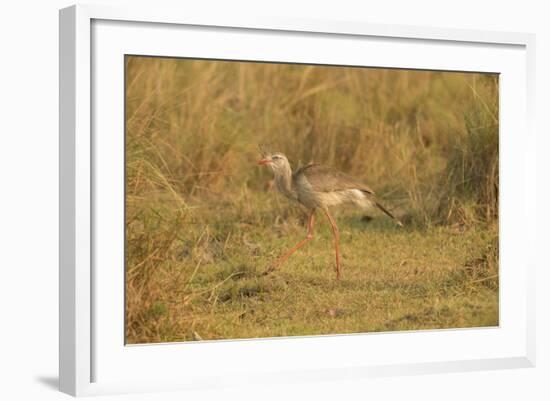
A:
<point x="203" y="223"/>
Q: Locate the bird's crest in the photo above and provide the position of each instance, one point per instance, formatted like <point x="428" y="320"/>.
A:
<point x="262" y="149"/>
<point x="265" y="150"/>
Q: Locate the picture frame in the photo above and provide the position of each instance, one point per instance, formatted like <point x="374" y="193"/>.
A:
<point x="93" y="356"/>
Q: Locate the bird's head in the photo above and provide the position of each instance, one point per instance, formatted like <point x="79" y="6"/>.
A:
<point x="277" y="161"/>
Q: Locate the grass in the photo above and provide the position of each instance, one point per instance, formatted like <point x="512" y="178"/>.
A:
<point x="203" y="221"/>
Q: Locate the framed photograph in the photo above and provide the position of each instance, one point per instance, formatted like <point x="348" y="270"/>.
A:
<point x="281" y="200"/>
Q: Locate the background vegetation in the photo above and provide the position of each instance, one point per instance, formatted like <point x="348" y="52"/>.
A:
<point x="203" y="221"/>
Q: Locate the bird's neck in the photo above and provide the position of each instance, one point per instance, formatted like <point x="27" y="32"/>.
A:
<point x="283" y="180"/>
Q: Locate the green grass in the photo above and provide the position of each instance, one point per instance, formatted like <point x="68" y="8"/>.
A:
<point x="210" y="280"/>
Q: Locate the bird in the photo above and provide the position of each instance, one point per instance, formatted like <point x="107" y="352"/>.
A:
<point x="318" y="187"/>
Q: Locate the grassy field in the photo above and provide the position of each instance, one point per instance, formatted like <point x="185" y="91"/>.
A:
<point x="203" y="221"/>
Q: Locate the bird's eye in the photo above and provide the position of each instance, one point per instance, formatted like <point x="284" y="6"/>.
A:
<point x="276" y="157"/>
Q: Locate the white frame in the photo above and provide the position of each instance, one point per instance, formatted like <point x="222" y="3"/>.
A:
<point x="76" y="207"/>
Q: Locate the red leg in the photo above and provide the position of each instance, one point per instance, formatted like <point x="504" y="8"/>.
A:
<point x="300" y="244"/>
<point x="336" y="242"/>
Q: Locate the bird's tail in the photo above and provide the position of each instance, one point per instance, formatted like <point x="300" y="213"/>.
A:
<point x="382" y="208"/>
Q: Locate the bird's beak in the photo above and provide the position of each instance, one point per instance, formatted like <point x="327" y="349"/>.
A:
<point x="263" y="162"/>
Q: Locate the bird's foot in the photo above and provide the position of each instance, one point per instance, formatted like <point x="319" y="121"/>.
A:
<point x="269" y="270"/>
<point x="338" y="270"/>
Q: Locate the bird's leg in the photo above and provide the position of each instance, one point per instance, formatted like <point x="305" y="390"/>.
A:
<point x="336" y="233"/>
<point x="300" y="244"/>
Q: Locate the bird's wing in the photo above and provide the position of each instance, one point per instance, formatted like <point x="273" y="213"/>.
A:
<point x="326" y="179"/>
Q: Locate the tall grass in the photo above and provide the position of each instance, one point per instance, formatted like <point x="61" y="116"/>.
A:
<point x="470" y="189"/>
<point x="427" y="142"/>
